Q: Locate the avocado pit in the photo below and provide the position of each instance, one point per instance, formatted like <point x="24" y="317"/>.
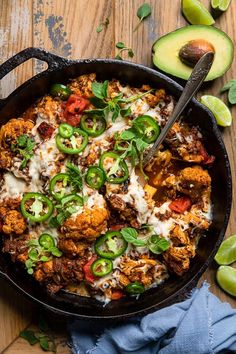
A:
<point x="191" y="52"/>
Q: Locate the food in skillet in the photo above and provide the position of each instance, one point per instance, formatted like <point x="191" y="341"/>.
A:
<point x="74" y="210"/>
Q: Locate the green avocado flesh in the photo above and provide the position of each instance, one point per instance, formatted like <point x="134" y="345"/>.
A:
<point x="166" y="50"/>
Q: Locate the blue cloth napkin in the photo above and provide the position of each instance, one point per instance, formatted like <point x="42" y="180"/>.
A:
<point x="201" y="324"/>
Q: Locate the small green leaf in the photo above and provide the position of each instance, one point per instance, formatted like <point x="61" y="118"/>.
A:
<point x="128" y="134"/>
<point x="33" y="254"/>
<point x="29" y="336"/>
<point x="118" y="57"/>
<point x="44" y="259"/>
<point x="228" y="85"/>
<point x="130" y="235"/>
<point x="130" y="53"/>
<point x="141" y="145"/>
<point x="99" y="28"/>
<point x="33" y="242"/>
<point x="97" y="89"/>
<point x="55" y="252"/>
<point x="97" y="102"/>
<point x="44" y="343"/>
<point x="232" y="94"/>
<point x="30" y="271"/>
<point x="29" y="263"/>
<point x="144" y="11"/>
<point x="157" y="244"/>
<point x="120" y="45"/>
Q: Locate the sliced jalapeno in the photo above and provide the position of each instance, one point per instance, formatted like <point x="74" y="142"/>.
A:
<point x="36" y="207"/>
<point x="73" y="145"/>
<point x="102" y="267"/>
<point x="46" y="241"/>
<point x="116" y="169"/>
<point x="148" y="127"/>
<point x="58" y="185"/>
<point x="93" y="125"/>
<point x="111" y="245"/>
<point x="71" y="202"/>
<point x="59" y="90"/>
<point x="95" y="177"/>
<point x="135" y="288"/>
<point x="65" y="130"/>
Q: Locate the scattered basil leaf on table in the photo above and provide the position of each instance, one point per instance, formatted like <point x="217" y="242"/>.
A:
<point x="143" y="12"/>
<point x="29" y="336"/>
<point x="123" y="47"/>
<point x="231" y="88"/>
<point x="102" y="25"/>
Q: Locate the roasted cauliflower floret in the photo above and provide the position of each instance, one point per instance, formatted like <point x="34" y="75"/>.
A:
<point x="11" y="220"/>
<point x="10" y="131"/>
<point x="82" y="85"/>
<point x="50" y="109"/>
<point x="178" y="258"/>
<point x="87" y="225"/>
<point x="72" y="248"/>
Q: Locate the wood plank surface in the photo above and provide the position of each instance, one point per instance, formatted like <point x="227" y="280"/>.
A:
<point x="68" y="28"/>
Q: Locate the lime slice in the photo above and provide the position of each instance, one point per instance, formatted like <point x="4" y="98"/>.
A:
<point x="227" y="252"/>
<point x="226" y="278"/>
<point x="196" y="13"/>
<point x="221" y="5"/>
<point x="219" y="109"/>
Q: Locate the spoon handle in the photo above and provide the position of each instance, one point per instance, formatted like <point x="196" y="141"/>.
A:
<point x="195" y="80"/>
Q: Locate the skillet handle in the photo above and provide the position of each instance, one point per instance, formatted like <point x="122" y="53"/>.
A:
<point x="52" y="60"/>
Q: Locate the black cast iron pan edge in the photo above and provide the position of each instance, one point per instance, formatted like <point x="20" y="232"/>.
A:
<point x="56" y="63"/>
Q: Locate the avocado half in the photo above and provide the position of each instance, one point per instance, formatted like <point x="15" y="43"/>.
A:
<point x="166" y="50"/>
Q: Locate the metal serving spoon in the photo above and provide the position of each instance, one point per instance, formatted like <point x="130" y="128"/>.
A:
<point x="195" y="80"/>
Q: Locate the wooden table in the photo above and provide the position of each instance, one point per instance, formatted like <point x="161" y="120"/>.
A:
<point x="68" y="28"/>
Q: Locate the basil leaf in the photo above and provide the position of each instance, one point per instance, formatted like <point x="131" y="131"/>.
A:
<point x="29" y="336"/>
<point x="99" y="28"/>
<point x="44" y="344"/>
<point x="144" y="11"/>
<point x="130" y="53"/>
<point x="128" y="134"/>
<point x="56" y="252"/>
<point x="97" y="102"/>
<point x="157" y="244"/>
<point x="130" y="235"/>
<point x="118" y="57"/>
<point x="228" y="85"/>
<point x="97" y="89"/>
<point x="30" y="271"/>
<point x="44" y="259"/>
<point x="29" y="263"/>
<point x="120" y="45"/>
<point x="232" y="94"/>
<point x="141" y="145"/>
<point x="33" y="254"/>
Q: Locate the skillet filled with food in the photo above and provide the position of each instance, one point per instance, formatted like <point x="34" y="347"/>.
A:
<point x="81" y="218"/>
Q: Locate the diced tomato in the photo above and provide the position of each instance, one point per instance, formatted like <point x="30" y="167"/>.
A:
<point x="117" y="227"/>
<point x="207" y="159"/>
<point x="117" y="294"/>
<point x="87" y="269"/>
<point x="76" y="104"/>
<point x="45" y="130"/>
<point x="180" y="205"/>
<point x="72" y="119"/>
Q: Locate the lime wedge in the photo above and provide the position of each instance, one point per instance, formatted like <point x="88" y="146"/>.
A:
<point x="219" y="109"/>
<point x="226" y="278"/>
<point x="227" y="252"/>
<point x="196" y="13"/>
<point x="221" y="5"/>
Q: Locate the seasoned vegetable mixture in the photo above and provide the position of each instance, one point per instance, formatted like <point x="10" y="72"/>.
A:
<point x="77" y="209"/>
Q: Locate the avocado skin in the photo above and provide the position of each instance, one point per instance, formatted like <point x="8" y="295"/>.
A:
<point x="166" y="50"/>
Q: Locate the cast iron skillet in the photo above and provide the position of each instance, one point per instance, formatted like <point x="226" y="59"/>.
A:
<point x="59" y="71"/>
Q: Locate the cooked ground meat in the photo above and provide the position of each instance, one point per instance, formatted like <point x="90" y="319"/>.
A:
<point x="73" y="248"/>
<point x="124" y="210"/>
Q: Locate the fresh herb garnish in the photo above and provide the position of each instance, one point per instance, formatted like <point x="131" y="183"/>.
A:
<point x="24" y="146"/>
<point x="42" y="335"/>
<point x="131" y="235"/>
<point x="75" y="176"/>
<point x="231" y="88"/>
<point x="105" y="105"/>
<point x="154" y="243"/>
<point x="38" y="253"/>
<point x="157" y="244"/>
<point x="103" y="25"/>
<point x="143" y="12"/>
<point x="123" y="48"/>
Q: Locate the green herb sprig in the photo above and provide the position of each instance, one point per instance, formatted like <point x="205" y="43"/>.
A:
<point x="103" y="25"/>
<point x="38" y="253"/>
<point x="75" y="176"/>
<point x="143" y="12"/>
<point x="123" y="48"/>
<point x="231" y="88"/>
<point x="42" y="335"/>
<point x="104" y="104"/>
<point x="154" y="243"/>
<point x="24" y="147"/>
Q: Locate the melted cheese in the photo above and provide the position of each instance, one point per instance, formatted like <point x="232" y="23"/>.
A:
<point x="12" y="187"/>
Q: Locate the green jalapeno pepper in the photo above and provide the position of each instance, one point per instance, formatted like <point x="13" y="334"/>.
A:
<point x="46" y="241"/>
<point x="148" y="126"/>
<point x="93" y="125"/>
<point x="135" y="288"/>
<point x="65" y="130"/>
<point x="59" y="90"/>
<point x="36" y="207"/>
<point x="116" y="169"/>
<point x="60" y="182"/>
<point x="72" y="145"/>
<point x="111" y="245"/>
<point x="95" y="177"/>
<point x="102" y="267"/>
<point x="71" y="201"/>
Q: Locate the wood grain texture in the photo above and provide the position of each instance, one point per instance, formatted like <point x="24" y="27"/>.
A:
<point x="68" y="28"/>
